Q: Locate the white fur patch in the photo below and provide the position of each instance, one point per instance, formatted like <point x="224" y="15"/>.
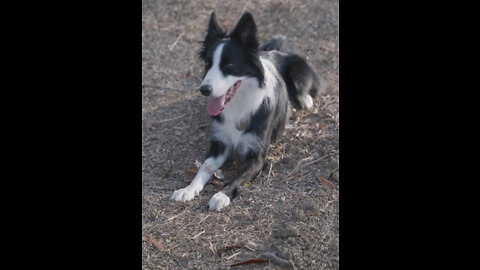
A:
<point x="246" y="102"/>
<point x="218" y="201"/>
<point x="215" y="77"/>
<point x="308" y="101"/>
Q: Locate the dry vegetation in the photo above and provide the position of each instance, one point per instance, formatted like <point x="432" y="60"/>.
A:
<point x="291" y="209"/>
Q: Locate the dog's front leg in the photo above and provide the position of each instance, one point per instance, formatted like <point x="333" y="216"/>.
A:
<point x="216" y="157"/>
<point x="232" y="188"/>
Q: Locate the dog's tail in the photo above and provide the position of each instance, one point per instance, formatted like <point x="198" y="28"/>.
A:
<point x="277" y="42"/>
<point x="303" y="84"/>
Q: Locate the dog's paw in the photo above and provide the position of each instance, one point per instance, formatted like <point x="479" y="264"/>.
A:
<point x="218" y="201"/>
<point x="185" y="194"/>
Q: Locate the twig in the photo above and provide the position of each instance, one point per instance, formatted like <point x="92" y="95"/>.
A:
<point x="298" y="165"/>
<point x="163" y="86"/>
<point x="170" y="218"/>
<point x="175" y="43"/>
<point x="227" y="248"/>
<point x="211" y="247"/>
<point x="277" y="261"/>
<point x="198" y="234"/>
<point x="203" y="219"/>
<point x="269" y="171"/>
<point x="320" y="158"/>
<point x="245" y="7"/>
<point x="234" y="255"/>
<point x="171" y="119"/>
<point x="202" y="232"/>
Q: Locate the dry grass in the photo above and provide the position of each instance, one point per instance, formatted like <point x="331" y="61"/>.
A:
<point x="289" y="210"/>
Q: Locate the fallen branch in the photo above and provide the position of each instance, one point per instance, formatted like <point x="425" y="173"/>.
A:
<point x="274" y="259"/>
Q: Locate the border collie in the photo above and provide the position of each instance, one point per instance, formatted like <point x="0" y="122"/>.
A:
<point x="249" y="89"/>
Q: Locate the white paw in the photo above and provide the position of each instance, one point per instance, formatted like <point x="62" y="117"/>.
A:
<point x="218" y="201"/>
<point x="185" y="194"/>
<point x="308" y="101"/>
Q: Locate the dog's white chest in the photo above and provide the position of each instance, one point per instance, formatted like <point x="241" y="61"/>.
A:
<point x="232" y="134"/>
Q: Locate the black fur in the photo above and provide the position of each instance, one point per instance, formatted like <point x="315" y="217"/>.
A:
<point x="218" y="118"/>
<point x="216" y="148"/>
<point x="215" y="32"/>
<point x="298" y="76"/>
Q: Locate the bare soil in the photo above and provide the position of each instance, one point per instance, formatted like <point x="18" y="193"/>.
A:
<point x="291" y="208"/>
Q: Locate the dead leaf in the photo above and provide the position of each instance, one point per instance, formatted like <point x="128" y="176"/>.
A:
<point x="326" y="181"/>
<point x="156" y="244"/>
<point x="189" y="174"/>
<point x="276" y="150"/>
<point x="186" y="75"/>
<point x="227" y="23"/>
<point x="217" y="183"/>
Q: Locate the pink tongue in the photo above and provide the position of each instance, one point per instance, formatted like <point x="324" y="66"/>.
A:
<point x="215" y="105"/>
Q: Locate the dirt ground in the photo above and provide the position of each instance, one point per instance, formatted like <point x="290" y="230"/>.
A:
<point x="291" y="208"/>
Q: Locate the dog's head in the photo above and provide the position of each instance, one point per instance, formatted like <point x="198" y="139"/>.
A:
<point x="229" y="59"/>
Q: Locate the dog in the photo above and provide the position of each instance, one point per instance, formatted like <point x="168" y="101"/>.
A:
<point x="250" y="89"/>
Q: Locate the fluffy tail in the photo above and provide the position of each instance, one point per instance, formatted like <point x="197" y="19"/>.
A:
<point x="303" y="84"/>
<point x="277" y="42"/>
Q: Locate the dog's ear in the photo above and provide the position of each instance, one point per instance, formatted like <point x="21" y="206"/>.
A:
<point x="214" y="28"/>
<point x="214" y="33"/>
<point x="246" y="31"/>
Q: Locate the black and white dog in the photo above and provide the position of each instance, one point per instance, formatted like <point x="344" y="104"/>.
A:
<point x="249" y="89"/>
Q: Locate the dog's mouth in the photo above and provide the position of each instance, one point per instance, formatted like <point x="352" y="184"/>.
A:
<point x="216" y="105"/>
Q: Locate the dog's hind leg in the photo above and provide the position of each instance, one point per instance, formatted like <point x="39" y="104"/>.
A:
<point x="232" y="188"/>
<point x="215" y="159"/>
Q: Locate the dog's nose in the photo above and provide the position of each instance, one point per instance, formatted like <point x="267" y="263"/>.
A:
<point x="206" y="89"/>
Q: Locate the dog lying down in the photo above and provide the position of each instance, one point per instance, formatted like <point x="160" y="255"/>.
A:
<point x="250" y="90"/>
